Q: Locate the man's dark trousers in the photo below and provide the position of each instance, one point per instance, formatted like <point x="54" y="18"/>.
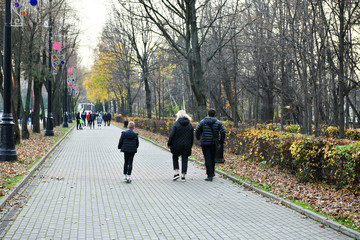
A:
<point x="209" y="152"/>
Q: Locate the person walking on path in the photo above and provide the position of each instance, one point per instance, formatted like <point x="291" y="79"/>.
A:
<point x="128" y="143"/>
<point x="208" y="132"/>
<point x="92" y="120"/>
<point x="99" y="120"/>
<point x="108" y="117"/>
<point x="180" y="143"/>
<point x="78" y="125"/>
<point x="83" y="117"/>
<point x="105" y="118"/>
<point x="88" y="119"/>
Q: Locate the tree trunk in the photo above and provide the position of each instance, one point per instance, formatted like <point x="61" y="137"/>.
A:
<point x="25" y="134"/>
<point x="256" y="104"/>
<point x="341" y="69"/>
<point x="229" y="89"/>
<point x="148" y="95"/>
<point x="43" y="117"/>
<point x="58" y="97"/>
<point x="37" y="102"/>
<point x="16" y="93"/>
<point x="129" y="97"/>
<point x="347" y="114"/>
<point x="198" y="84"/>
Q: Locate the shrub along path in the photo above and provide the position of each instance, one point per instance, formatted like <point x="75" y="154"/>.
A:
<point x="336" y="204"/>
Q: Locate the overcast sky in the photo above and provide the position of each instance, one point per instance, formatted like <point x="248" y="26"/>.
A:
<point x="93" y="15"/>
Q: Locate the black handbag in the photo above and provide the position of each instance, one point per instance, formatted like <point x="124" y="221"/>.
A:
<point x="219" y="158"/>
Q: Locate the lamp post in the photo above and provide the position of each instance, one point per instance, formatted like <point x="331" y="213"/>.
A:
<point x="71" y="81"/>
<point x="69" y="107"/>
<point x="7" y="150"/>
<point x="49" y="123"/>
<point x="65" y="118"/>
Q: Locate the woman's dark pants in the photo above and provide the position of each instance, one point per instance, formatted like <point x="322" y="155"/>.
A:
<point x="184" y="162"/>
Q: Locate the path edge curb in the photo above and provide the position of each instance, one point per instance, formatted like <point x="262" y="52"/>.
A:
<point x="22" y="182"/>
<point x="330" y="223"/>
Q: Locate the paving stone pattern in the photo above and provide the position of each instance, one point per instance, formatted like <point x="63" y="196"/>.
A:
<point x="83" y="196"/>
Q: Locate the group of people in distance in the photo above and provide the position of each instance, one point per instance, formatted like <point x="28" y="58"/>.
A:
<point x="84" y="119"/>
<point x="210" y="132"/>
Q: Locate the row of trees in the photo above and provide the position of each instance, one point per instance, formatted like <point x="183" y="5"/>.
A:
<point x="30" y="58"/>
<point x="255" y="61"/>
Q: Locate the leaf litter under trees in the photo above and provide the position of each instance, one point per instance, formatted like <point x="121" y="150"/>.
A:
<point x="29" y="151"/>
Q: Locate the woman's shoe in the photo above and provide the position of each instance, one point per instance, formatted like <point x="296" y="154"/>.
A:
<point x="176" y="177"/>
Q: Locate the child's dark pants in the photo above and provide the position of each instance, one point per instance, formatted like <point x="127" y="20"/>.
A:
<point x="129" y="157"/>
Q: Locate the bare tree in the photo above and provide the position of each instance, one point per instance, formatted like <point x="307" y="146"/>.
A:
<point x="178" y="23"/>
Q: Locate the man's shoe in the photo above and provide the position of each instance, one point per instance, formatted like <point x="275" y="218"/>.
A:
<point x="176" y="177"/>
<point x="183" y="179"/>
<point x="208" y="179"/>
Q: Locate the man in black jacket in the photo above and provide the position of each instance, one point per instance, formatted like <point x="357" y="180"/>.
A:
<point x="128" y="143"/>
<point x="209" y="131"/>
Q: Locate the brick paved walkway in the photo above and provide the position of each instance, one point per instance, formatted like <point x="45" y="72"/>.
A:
<point x="80" y="194"/>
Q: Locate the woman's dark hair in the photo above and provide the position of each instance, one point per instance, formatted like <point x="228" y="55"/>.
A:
<point x="211" y="113"/>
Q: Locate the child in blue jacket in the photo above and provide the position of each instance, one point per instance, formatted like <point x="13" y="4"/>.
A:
<point x="128" y="143"/>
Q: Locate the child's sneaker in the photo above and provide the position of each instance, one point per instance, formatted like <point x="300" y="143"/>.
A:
<point x="125" y="178"/>
<point x="129" y="179"/>
<point x="176" y="177"/>
<point x="183" y="179"/>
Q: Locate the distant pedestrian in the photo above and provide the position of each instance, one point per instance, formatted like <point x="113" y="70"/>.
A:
<point x="128" y="143"/>
<point x="99" y="120"/>
<point x="88" y="119"/>
<point x="92" y="120"/>
<point x="78" y="118"/>
<point x="108" y="117"/>
<point x="210" y="132"/>
<point x="83" y="117"/>
<point x="105" y="118"/>
<point x="180" y="143"/>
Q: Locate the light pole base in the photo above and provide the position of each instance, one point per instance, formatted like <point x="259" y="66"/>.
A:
<point x="49" y="126"/>
<point x="65" y="122"/>
<point x="7" y="150"/>
<point x="8" y="155"/>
